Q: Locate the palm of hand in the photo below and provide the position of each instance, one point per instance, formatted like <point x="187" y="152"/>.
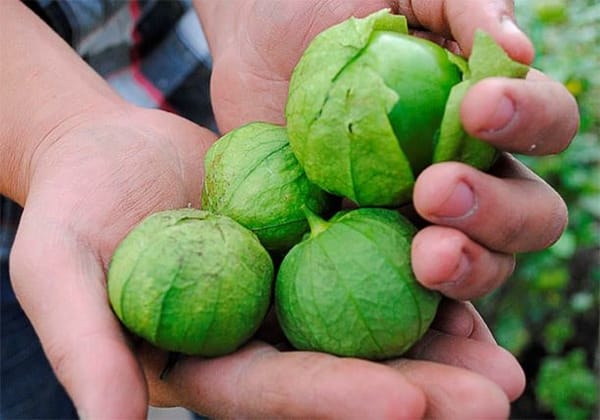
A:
<point x="98" y="180"/>
<point x="93" y="182"/>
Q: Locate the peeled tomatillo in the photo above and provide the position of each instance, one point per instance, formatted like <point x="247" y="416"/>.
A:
<point x="420" y="72"/>
<point x="370" y="107"/>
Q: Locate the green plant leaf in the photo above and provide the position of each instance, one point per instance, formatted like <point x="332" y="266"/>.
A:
<point x="557" y="332"/>
<point x="567" y="386"/>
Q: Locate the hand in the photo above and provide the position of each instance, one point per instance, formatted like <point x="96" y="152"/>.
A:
<point x="479" y="220"/>
<point x="261" y="381"/>
<point x="92" y="181"/>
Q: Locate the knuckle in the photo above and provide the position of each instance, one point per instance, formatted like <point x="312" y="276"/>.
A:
<point x="488" y="279"/>
<point x="561" y="125"/>
<point x="525" y="232"/>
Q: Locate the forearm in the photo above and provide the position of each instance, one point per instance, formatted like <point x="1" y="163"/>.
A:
<point x="46" y="88"/>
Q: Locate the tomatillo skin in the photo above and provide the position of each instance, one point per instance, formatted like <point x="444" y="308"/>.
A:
<point x="349" y="290"/>
<point x="364" y="105"/>
<point x="253" y="177"/>
<point x="192" y="282"/>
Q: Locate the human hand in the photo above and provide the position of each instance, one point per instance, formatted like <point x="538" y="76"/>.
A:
<point x="58" y="240"/>
<point x="91" y="179"/>
<point x="479" y="220"/>
<point x="91" y="182"/>
<point x="265" y="379"/>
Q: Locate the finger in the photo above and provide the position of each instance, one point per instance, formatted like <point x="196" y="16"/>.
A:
<point x="537" y="116"/>
<point x="458" y="19"/>
<point x="454" y="393"/>
<point x="261" y="382"/>
<point x="461" y="319"/>
<point x="62" y="291"/>
<point x="484" y="358"/>
<point x="463" y="269"/>
<point x="517" y="214"/>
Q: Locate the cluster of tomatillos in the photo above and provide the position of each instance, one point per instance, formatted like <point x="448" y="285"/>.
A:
<point x="369" y="107"/>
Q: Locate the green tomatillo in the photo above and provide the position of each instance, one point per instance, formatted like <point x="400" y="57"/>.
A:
<point x="253" y="177"/>
<point x="369" y="105"/>
<point x="191" y="282"/>
<point x="348" y="289"/>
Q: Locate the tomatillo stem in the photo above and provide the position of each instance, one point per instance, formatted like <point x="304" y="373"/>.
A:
<point x="317" y="225"/>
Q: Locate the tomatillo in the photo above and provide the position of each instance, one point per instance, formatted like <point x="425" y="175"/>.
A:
<point x="253" y="177"/>
<point x="348" y="288"/>
<point x="191" y="282"/>
<point x="368" y="105"/>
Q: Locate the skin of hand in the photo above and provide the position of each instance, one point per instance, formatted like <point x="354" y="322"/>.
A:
<point x="87" y="177"/>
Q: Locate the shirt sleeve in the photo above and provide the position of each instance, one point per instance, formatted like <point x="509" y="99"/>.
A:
<point x="74" y="20"/>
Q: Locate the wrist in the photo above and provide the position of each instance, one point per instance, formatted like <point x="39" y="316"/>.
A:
<point x="24" y="144"/>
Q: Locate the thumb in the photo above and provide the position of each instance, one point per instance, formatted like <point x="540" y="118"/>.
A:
<point x="60" y="285"/>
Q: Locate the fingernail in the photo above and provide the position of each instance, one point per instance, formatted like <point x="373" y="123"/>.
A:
<point x="518" y="44"/>
<point x="461" y="203"/>
<point x="509" y="25"/>
<point x="502" y="116"/>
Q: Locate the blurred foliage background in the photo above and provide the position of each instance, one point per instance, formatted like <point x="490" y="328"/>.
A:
<point x="547" y="314"/>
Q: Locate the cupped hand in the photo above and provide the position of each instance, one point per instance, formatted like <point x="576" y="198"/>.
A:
<point x="479" y="220"/>
<point x="92" y="180"/>
<point x="447" y="374"/>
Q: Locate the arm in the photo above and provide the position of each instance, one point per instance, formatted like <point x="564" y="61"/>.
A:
<point x="47" y="88"/>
